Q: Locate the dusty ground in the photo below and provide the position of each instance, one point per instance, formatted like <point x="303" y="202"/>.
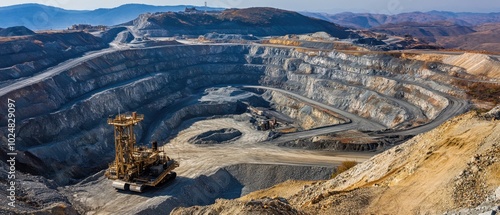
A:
<point x="196" y="161"/>
<point x="432" y="161"/>
<point x="286" y="190"/>
<point x="451" y="167"/>
<point x="425" y="57"/>
<point x="246" y="149"/>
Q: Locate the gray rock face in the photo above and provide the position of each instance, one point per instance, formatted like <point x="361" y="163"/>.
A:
<point x="493" y="113"/>
<point x="62" y="118"/>
<point x="305" y="116"/>
<point x="33" y="192"/>
<point x="26" y="56"/>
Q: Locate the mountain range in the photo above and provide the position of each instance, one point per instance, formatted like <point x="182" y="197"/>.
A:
<point x="368" y="20"/>
<point x="42" y="17"/>
<point x="464" y="31"/>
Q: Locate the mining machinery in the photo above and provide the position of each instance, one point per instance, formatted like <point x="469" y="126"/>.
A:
<point x="136" y="167"/>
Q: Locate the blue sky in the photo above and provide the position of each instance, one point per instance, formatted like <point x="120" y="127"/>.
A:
<point x="330" y="6"/>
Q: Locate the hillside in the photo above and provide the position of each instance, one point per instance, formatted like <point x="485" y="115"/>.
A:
<point x="457" y="163"/>
<point x="368" y="20"/>
<point x="256" y="21"/>
<point x="42" y="17"/>
<point x="485" y="38"/>
<point x="450" y="36"/>
<point x="477" y="64"/>
<point x="427" y="31"/>
<point x="15" y="31"/>
<point x="465" y="31"/>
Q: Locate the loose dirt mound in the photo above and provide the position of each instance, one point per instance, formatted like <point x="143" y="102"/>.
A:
<point x="217" y="136"/>
<point x="457" y="164"/>
<point x="260" y="206"/>
<point x="477" y="64"/>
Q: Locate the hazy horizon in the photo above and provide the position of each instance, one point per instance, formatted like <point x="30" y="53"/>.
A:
<point x="357" y="6"/>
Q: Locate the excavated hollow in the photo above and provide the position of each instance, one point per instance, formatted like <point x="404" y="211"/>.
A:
<point x="62" y="118"/>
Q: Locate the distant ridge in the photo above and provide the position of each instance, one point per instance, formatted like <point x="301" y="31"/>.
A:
<point x="368" y="20"/>
<point x="42" y="17"/>
<point x="15" y="31"/>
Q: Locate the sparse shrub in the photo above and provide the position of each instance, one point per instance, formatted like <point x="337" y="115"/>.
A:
<point x="488" y="92"/>
<point x="344" y="166"/>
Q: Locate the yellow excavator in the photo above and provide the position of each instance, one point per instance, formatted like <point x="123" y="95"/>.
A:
<point x="136" y="167"/>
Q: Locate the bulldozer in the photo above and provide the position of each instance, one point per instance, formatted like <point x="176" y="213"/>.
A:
<point x="137" y="167"/>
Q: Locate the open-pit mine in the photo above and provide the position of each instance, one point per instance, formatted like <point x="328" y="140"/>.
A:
<point x="238" y="115"/>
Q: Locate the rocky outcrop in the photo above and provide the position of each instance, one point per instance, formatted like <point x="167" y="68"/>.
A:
<point x="33" y="193"/>
<point x="403" y="171"/>
<point x="276" y="205"/>
<point x="493" y="113"/>
<point x="306" y="116"/>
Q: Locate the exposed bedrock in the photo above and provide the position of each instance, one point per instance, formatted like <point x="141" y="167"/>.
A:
<point x="34" y="194"/>
<point x="360" y="84"/>
<point x="62" y="119"/>
<point x="25" y="56"/>
<point x="305" y="116"/>
<point x="65" y="116"/>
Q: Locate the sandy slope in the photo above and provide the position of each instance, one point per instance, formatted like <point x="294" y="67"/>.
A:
<point x="454" y="166"/>
<point x="477" y="64"/>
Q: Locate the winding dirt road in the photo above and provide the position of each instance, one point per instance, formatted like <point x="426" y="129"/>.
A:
<point x="455" y="107"/>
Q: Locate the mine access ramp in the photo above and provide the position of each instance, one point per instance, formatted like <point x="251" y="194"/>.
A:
<point x="136" y="167"/>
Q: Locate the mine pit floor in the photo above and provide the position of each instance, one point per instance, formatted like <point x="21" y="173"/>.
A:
<point x="196" y="161"/>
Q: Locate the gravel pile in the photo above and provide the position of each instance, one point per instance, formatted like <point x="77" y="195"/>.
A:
<point x="470" y="186"/>
<point x="217" y="137"/>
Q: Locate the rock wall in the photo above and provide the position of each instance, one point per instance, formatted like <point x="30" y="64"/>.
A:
<point x="307" y="117"/>
<point x="61" y="119"/>
<point x="371" y="86"/>
<point x="25" y="56"/>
